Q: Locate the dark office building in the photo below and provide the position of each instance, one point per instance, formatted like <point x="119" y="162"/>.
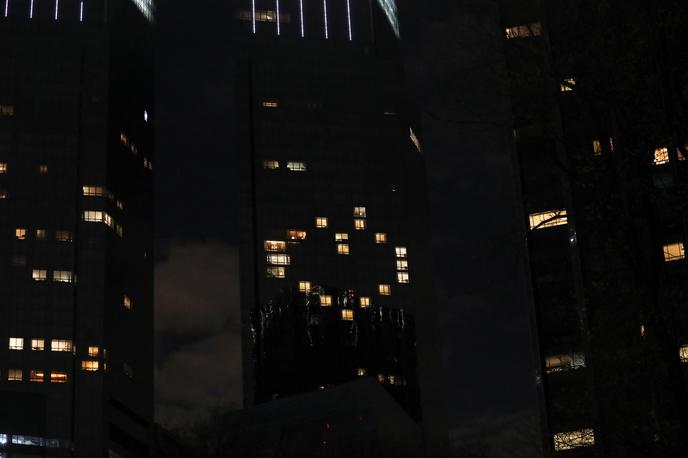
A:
<point x="305" y="342"/>
<point x="332" y="166"/>
<point x="354" y="419"/>
<point x="76" y="283"/>
<point x="600" y="131"/>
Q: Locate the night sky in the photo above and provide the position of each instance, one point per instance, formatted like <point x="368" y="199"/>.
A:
<point x="453" y="68"/>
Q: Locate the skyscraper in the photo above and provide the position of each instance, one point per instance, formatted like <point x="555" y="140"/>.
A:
<point x="76" y="152"/>
<point x="332" y="162"/>
<point x="600" y="138"/>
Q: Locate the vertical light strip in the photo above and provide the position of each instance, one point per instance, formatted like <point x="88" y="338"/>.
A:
<point x="253" y="15"/>
<point x="57" y="8"/>
<point x="277" y="13"/>
<point x="81" y="12"/>
<point x="7" y="7"/>
<point x="31" y="10"/>
<point x="303" y="29"/>
<point x="327" y="32"/>
<point x="348" y="14"/>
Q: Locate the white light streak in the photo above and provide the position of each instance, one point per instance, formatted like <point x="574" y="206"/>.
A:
<point x="348" y="14"/>
<point x="253" y="15"/>
<point x="7" y="7"/>
<point x="327" y="32"/>
<point x="31" y="10"/>
<point x="303" y="29"/>
<point x="81" y="12"/>
<point x="278" y="16"/>
<point x="57" y="8"/>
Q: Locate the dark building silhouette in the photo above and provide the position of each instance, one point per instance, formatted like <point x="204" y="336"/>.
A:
<point x="76" y="284"/>
<point x="305" y="342"/>
<point x="351" y="419"/>
<point x="598" y="97"/>
<point x="331" y="162"/>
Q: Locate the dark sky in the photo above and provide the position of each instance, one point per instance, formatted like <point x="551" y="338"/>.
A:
<point x="453" y="71"/>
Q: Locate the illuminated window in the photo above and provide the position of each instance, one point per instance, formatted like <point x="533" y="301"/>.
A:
<point x="683" y="353"/>
<point x="263" y="16"/>
<point x="548" y="219"/>
<point x="402" y="264"/>
<point x="275" y="272"/>
<point x="6" y="110"/>
<point x="305" y="286"/>
<point x="20" y="233"/>
<point x="365" y="302"/>
<point x="674" y="252"/>
<point x="58" y="377"/>
<point x="524" y="31"/>
<point x="574" y="439"/>
<point x="93" y="216"/>
<point x="280" y="259"/>
<point x="89" y="366"/>
<point x="39" y="274"/>
<point x="347" y="315"/>
<point x="343" y="248"/>
<point x="296" y="166"/>
<point x="93" y="352"/>
<point x="661" y="156"/>
<point x="270" y="104"/>
<point x="41" y="234"/>
<point x="360" y="212"/>
<point x="43" y="169"/>
<point x="63" y="236"/>
<point x="415" y="140"/>
<point x="341" y="236"/>
<point x="403" y="277"/>
<point x="15" y="375"/>
<point x="384" y="290"/>
<point x="61" y="345"/>
<point x="321" y="222"/>
<point x="278" y="246"/>
<point x="562" y="363"/>
<point x="380" y="237"/>
<point x="359" y="224"/>
<point x="597" y="147"/>
<point x="3" y="167"/>
<point x="380" y="378"/>
<point x="127" y="302"/>
<point x="361" y="372"/>
<point x="37" y="344"/>
<point x="93" y="191"/>
<point x="62" y="276"/>
<point x="325" y="300"/>
<point x="271" y="165"/>
<point x="293" y="234"/>
<point x="568" y="85"/>
<point x="36" y="376"/>
<point x="16" y="343"/>
<point x="401" y="251"/>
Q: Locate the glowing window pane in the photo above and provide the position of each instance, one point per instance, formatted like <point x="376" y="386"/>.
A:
<point x="37" y="344"/>
<point x="403" y="277"/>
<point x="365" y="302"/>
<point x="321" y="222"/>
<point x="296" y="166"/>
<point x="524" y="31"/>
<point x="293" y="234"/>
<point x="574" y="439"/>
<point x="661" y="156"/>
<point x="568" y="85"/>
<point x="343" y="248"/>
<point x="548" y="219"/>
<point x="597" y="147"/>
<point x="93" y="352"/>
<point x="347" y="315"/>
<point x="15" y="375"/>
<point x="276" y="272"/>
<point x="380" y="237"/>
<point x="63" y="236"/>
<point x="127" y="302"/>
<point x="271" y="165"/>
<point x="401" y="251"/>
<point x="62" y="276"/>
<point x="20" y="233"/>
<point x="58" y="377"/>
<point x="674" y="252"/>
<point x="41" y="234"/>
<point x="3" y="167"/>
<point x="16" y="343"/>
<point x="280" y="259"/>
<point x="39" y="274"/>
<point x="93" y="191"/>
<point x="683" y="353"/>
<point x="325" y="300"/>
<point x="565" y="362"/>
<point x="61" y="345"/>
<point x="360" y="212"/>
<point x="278" y="246"/>
<point x="359" y="224"/>
<point x="305" y="286"/>
<point x="89" y="366"/>
<point x="402" y="264"/>
<point x="341" y="237"/>
<point x="270" y="104"/>
<point x="384" y="289"/>
<point x="36" y="376"/>
<point x="361" y="372"/>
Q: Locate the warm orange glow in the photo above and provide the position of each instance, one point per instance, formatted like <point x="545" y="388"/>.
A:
<point x="574" y="439"/>
<point x="270" y="104"/>
<point x="294" y="234"/>
<point x="359" y="224"/>
<point x="305" y="286"/>
<point x="20" y="233"/>
<point x="683" y="353"/>
<point x="325" y="300"/>
<point x="93" y="352"/>
<point x="380" y="238"/>
<point x="365" y="302"/>
<point x="565" y="362"/>
<point x="400" y="251"/>
<point x="37" y="344"/>
<point x="661" y="156"/>
<point x="276" y="272"/>
<point x="321" y="222"/>
<point x="403" y="277"/>
<point x="58" y="377"/>
<point x="271" y="165"/>
<point x="341" y="236"/>
<point x="568" y="85"/>
<point x="89" y="366"/>
<point x="343" y="248"/>
<point x="674" y="252"/>
<point x="347" y="315"/>
<point x="384" y="289"/>
<point x="548" y="219"/>
<point x="36" y="376"/>
<point x="597" y="147"/>
<point x="127" y="302"/>
<point x="61" y="345"/>
<point x="360" y="212"/>
<point x="278" y="259"/>
<point x="278" y="246"/>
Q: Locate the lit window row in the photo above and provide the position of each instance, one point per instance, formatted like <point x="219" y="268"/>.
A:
<point x="674" y="252"/>
<point x="402" y="266"/>
<point x="270" y="104"/>
<point x="60" y="276"/>
<point x="290" y="165"/>
<point x="6" y="110"/>
<point x="565" y="362"/>
<point x="97" y="216"/>
<point x="548" y="219"/>
<point x="263" y="16"/>
<point x="276" y="272"/>
<point x="278" y="246"/>
<point x="100" y="191"/>
<point x="34" y="441"/>
<point x="21" y="233"/>
<point x="524" y="31"/>
<point x="36" y="376"/>
<point x="58" y="345"/>
<point x="574" y="439"/>
<point x="662" y="156"/>
<point x="278" y="259"/>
